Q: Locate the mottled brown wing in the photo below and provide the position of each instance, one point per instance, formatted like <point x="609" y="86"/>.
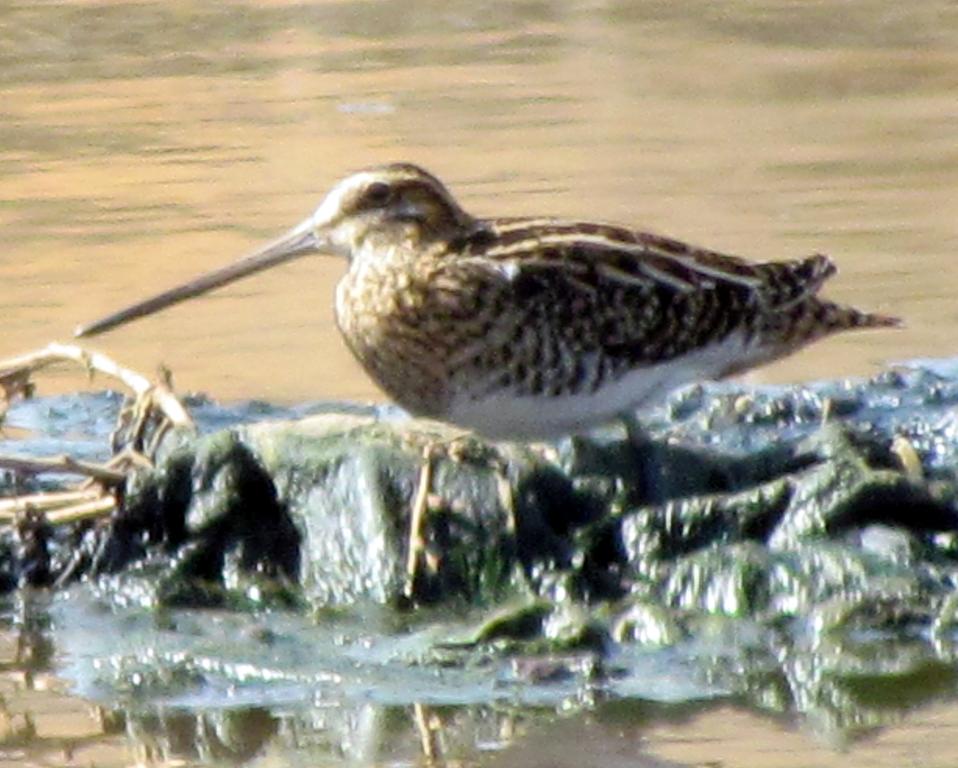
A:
<point x="562" y="308"/>
<point x="566" y="317"/>
<point x="641" y="258"/>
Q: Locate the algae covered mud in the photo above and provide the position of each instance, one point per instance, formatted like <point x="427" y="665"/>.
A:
<point x="791" y="550"/>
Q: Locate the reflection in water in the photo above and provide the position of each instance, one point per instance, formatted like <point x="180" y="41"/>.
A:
<point x="846" y="686"/>
<point x="842" y="686"/>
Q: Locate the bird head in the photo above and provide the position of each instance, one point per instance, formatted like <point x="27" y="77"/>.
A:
<point x="398" y="204"/>
<point x="390" y="204"/>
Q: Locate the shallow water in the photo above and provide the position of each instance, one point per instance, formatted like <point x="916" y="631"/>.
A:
<point x="371" y="686"/>
<point x="143" y="142"/>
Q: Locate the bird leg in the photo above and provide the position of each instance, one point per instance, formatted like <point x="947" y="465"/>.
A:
<point x="637" y="436"/>
<point x="648" y="458"/>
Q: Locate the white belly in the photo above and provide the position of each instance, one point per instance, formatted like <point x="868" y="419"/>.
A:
<point x="505" y="416"/>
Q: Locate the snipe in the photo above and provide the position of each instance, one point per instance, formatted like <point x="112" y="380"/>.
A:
<point x="526" y="328"/>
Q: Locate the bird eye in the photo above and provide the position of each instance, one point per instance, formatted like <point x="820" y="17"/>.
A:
<point x="377" y="194"/>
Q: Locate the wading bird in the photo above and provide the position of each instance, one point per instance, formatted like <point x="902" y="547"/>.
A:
<point x="525" y="328"/>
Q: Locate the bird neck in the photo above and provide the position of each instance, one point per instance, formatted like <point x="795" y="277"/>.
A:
<point x="411" y="238"/>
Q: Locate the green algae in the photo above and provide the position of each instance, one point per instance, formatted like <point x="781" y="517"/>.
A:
<point x="766" y="546"/>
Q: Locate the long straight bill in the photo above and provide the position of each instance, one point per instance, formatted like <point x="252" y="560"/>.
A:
<point x="297" y="242"/>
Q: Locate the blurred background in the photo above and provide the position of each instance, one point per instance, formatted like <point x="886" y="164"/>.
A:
<point x="144" y="142"/>
<point x="141" y="143"/>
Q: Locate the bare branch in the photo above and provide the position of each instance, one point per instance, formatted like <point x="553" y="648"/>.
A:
<point x="85" y="511"/>
<point x="142" y="423"/>
<point x="10" y="508"/>
<point x="64" y="464"/>
<point x="12" y="370"/>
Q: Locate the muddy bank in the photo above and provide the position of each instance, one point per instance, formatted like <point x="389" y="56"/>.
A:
<point x="795" y="546"/>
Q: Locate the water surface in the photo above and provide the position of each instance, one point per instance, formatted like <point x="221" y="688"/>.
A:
<point x="143" y="142"/>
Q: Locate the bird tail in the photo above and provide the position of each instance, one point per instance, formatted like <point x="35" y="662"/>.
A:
<point x="784" y="331"/>
<point x="837" y="317"/>
<point x="792" y="315"/>
<point x="786" y="283"/>
<point x="781" y="332"/>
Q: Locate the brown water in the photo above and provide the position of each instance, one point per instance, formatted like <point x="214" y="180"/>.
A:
<point x="143" y="142"/>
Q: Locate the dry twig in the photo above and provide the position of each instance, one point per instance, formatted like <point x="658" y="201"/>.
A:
<point x="153" y="406"/>
<point x="16" y="368"/>
<point x="85" y="511"/>
<point x="10" y="508"/>
<point x="64" y="464"/>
